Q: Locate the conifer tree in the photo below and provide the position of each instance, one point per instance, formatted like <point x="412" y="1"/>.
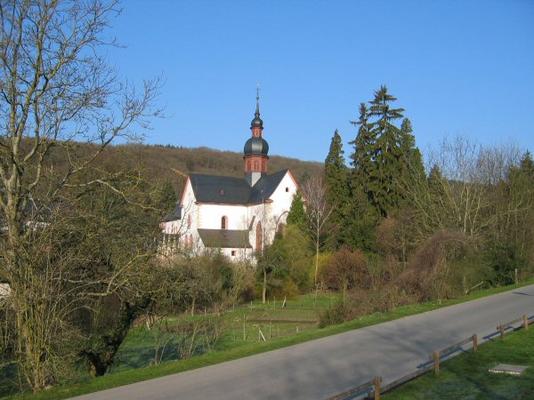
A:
<point x="383" y="185"/>
<point x="336" y="183"/>
<point x="526" y="165"/>
<point x="412" y="161"/>
<point x="362" y="158"/>
<point x="297" y="214"/>
<point x="360" y="217"/>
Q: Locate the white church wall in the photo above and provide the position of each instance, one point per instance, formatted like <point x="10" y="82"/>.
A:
<point x="274" y="212"/>
<point x="210" y="216"/>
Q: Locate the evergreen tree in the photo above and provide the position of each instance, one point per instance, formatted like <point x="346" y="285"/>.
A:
<point x="362" y="159"/>
<point x="383" y="185"/>
<point x="357" y="228"/>
<point x="297" y="214"/>
<point x="526" y="165"/>
<point x="336" y="183"/>
<point x="412" y="161"/>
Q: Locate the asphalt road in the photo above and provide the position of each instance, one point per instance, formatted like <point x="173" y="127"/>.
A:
<point x="324" y="367"/>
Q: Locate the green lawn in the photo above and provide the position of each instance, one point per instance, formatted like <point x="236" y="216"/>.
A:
<point x="466" y="376"/>
<point x="137" y="351"/>
<point x="242" y="326"/>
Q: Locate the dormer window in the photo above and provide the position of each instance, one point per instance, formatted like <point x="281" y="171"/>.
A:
<point x="224" y="222"/>
<point x="221" y="192"/>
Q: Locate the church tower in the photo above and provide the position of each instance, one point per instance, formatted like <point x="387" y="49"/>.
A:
<point x="256" y="149"/>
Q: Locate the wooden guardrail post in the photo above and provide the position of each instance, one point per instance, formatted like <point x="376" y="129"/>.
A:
<point x="501" y="330"/>
<point x="376" y="387"/>
<point x="525" y="322"/>
<point x="475" y="342"/>
<point x="435" y="357"/>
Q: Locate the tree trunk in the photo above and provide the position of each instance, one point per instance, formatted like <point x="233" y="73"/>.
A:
<point x="264" y="288"/>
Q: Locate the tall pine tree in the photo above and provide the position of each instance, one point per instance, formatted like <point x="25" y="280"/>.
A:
<point x="336" y="174"/>
<point x="357" y="229"/>
<point x="383" y="186"/>
<point x="362" y="159"/>
<point x="412" y="161"/>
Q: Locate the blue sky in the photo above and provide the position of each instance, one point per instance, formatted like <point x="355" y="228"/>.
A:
<point x="457" y="67"/>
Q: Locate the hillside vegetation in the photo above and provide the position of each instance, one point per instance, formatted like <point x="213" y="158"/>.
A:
<point x="161" y="162"/>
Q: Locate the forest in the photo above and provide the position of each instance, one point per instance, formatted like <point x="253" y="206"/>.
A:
<point x="375" y="228"/>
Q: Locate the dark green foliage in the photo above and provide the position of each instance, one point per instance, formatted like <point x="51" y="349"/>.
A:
<point x="336" y="180"/>
<point x="385" y="162"/>
<point x="297" y="214"/>
<point x="383" y="189"/>
<point x="411" y="159"/>
<point x="504" y="260"/>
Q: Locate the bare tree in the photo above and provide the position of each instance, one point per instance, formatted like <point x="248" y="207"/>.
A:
<point x="55" y="90"/>
<point x="318" y="211"/>
<point x="457" y="194"/>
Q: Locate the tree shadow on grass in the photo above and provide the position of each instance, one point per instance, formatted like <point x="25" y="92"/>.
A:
<point x="9" y="383"/>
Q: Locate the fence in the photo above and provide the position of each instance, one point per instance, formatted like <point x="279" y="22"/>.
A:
<point x="373" y="388"/>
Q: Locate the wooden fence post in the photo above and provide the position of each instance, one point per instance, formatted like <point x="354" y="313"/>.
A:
<point x="475" y="343"/>
<point x="435" y="356"/>
<point x="525" y="322"/>
<point x="501" y="330"/>
<point x="376" y="385"/>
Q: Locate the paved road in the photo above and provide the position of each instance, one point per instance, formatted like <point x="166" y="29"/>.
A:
<point x="324" y="367"/>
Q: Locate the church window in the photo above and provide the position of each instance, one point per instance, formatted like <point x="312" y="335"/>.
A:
<point x="256" y="165"/>
<point x="287" y="189"/>
<point x="248" y="165"/>
<point x="224" y="222"/>
<point x="233" y="253"/>
<point x="189" y="221"/>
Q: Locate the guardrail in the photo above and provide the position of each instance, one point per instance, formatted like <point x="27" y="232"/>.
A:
<point x="373" y="388"/>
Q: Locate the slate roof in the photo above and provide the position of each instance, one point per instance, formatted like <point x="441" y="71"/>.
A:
<point x="231" y="190"/>
<point x="174" y="214"/>
<point x="225" y="238"/>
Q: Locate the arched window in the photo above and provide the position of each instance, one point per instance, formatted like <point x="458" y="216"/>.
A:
<point x="189" y="221"/>
<point x="224" y="222"/>
<point x="259" y="239"/>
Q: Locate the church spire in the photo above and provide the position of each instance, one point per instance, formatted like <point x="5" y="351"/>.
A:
<point x="257" y="113"/>
<point x="256" y="124"/>
<point x="256" y="150"/>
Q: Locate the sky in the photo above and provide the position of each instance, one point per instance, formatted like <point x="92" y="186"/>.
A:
<point x="459" y="68"/>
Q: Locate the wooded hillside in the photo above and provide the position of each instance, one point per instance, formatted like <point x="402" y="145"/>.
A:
<point x="160" y="162"/>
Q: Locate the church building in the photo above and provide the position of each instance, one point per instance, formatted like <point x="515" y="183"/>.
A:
<point x="238" y="216"/>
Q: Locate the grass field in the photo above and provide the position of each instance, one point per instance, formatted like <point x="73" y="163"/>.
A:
<point x="466" y="376"/>
<point x="242" y="326"/>
<point x="136" y="353"/>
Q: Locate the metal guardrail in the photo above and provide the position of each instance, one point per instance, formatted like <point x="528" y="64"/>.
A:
<point x="374" y="387"/>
